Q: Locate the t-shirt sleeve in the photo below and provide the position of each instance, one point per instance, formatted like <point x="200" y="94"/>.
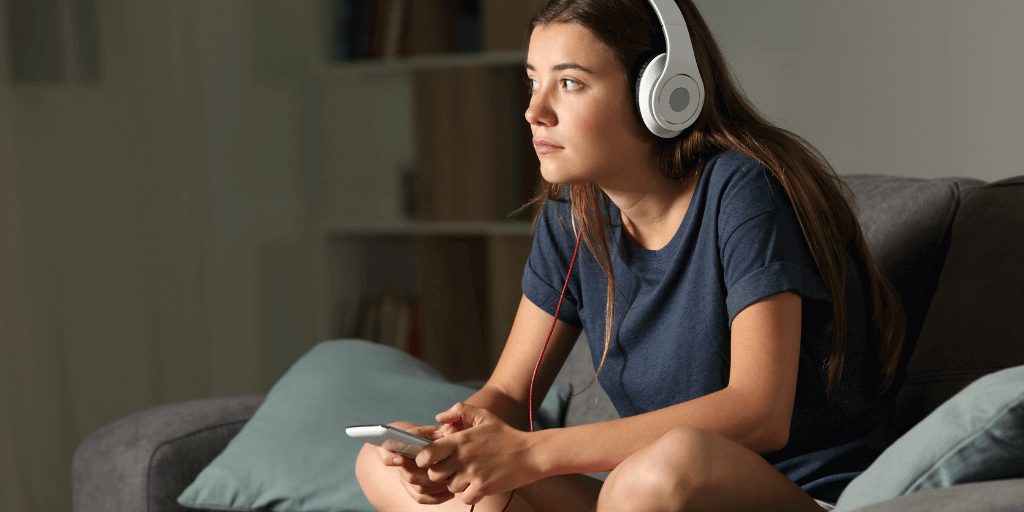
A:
<point x="767" y="255"/>
<point x="546" y="268"/>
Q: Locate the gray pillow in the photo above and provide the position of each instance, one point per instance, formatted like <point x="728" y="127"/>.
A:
<point x="976" y="435"/>
<point x="293" y="455"/>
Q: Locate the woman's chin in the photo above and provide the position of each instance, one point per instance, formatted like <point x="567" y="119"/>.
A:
<point x="555" y="176"/>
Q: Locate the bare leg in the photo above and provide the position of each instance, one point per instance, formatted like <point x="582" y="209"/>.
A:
<point x="686" y="469"/>
<point x="690" y="469"/>
<point x="568" y="493"/>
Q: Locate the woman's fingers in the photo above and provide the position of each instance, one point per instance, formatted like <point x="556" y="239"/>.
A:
<point x="461" y="485"/>
<point x="389" y="458"/>
<point x="472" y="457"/>
<point x="431" y="432"/>
<point x="414" y="475"/>
<point x="462" y="416"/>
<point x="452" y="474"/>
<point x="428" y="495"/>
<point x="435" y="452"/>
<point x="440" y="473"/>
<point x="419" y="482"/>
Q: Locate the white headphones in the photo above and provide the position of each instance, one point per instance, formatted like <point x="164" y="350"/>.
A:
<point x="669" y="90"/>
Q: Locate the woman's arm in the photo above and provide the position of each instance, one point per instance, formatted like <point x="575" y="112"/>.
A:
<point x="754" y="409"/>
<point x="504" y="397"/>
<point x="506" y="393"/>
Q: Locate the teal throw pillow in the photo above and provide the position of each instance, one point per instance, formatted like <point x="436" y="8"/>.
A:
<point x="975" y="436"/>
<point x="294" y="455"/>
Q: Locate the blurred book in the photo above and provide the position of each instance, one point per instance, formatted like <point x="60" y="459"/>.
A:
<point x="387" y="318"/>
<point x="388" y="29"/>
<point x="348" y="38"/>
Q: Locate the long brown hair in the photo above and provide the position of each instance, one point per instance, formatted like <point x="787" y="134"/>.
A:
<point x="729" y="121"/>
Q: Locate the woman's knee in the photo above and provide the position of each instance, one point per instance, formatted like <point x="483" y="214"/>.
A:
<point x="363" y="467"/>
<point x="664" y="474"/>
<point x="369" y="470"/>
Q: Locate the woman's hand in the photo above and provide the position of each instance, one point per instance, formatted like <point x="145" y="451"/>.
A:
<point x="479" y="456"/>
<point x="415" y="479"/>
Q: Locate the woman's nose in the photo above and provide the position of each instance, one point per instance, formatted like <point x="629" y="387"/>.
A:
<point x="539" y="113"/>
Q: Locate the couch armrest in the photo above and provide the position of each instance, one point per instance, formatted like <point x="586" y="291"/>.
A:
<point x="145" y="460"/>
<point x="997" y="495"/>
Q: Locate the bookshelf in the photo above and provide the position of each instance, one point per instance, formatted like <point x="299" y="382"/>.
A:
<point x="467" y="282"/>
<point x="454" y="262"/>
<point x="362" y="32"/>
<point x="406" y="65"/>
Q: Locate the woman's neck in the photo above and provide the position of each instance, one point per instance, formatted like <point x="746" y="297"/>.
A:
<point x="653" y="208"/>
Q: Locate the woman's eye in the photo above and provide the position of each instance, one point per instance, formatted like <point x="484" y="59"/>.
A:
<point x="532" y="85"/>
<point x="570" y="84"/>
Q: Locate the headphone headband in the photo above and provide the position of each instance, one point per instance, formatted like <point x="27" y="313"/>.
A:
<point x="677" y="36"/>
<point x="670" y="93"/>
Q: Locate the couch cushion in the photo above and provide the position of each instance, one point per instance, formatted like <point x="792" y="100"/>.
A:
<point x="907" y="222"/>
<point x="975" y="324"/>
<point x="975" y="436"/>
<point x="293" y="455"/>
<point x="998" y="496"/>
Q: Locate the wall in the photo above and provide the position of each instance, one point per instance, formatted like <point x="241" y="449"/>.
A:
<point x="160" y="228"/>
<point x="918" y="88"/>
<point x="156" y="228"/>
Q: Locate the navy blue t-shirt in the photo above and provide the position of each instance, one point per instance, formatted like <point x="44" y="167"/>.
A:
<point x="739" y="242"/>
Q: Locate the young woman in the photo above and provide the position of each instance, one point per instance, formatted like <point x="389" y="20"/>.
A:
<point x="735" y="315"/>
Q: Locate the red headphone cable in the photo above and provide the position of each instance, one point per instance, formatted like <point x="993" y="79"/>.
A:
<point x="543" y="349"/>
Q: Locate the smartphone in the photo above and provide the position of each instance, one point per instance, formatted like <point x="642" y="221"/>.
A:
<point x="389" y="438"/>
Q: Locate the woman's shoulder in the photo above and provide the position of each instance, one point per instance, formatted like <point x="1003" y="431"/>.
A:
<point x="556" y="209"/>
<point x="742" y="181"/>
<point x="554" y="220"/>
<point x="733" y="160"/>
<point x="734" y="168"/>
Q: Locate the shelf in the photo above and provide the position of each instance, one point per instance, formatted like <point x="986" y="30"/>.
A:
<point x="409" y="64"/>
<point x="430" y="229"/>
<point x="466" y="276"/>
<point x="456" y="249"/>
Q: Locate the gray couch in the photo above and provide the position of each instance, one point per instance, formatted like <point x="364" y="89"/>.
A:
<point x="954" y="248"/>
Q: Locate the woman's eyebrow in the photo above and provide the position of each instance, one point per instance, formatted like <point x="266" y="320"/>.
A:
<point x="560" y="67"/>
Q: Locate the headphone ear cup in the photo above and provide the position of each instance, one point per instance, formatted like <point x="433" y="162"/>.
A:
<point x="640" y="80"/>
<point x="646" y="80"/>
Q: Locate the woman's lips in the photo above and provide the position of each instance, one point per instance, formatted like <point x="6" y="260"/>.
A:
<point x="544" y="147"/>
